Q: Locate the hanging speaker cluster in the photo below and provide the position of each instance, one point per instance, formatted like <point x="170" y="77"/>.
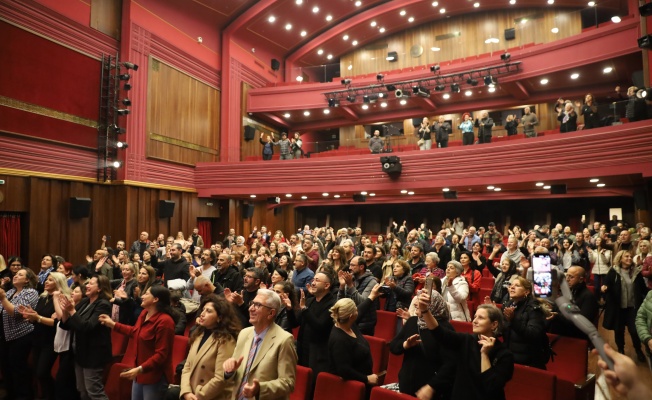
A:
<point x="391" y="165"/>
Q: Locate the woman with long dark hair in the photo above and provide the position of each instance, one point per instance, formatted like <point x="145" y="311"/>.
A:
<point x="507" y="275"/>
<point x="154" y="335"/>
<point x="145" y="279"/>
<point x="13" y="265"/>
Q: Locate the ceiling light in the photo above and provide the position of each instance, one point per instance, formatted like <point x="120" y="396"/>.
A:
<point x="304" y="33"/>
<point x="594" y="180"/>
<point x="591" y="3"/>
<point x="358" y="3"/>
<point x="551" y="2"/>
<point x="442" y="10"/>
<point x="544" y="81"/>
<point x="372" y="194"/>
<point x="615" y="19"/>
<point x="411" y="19"/>
<point x="271" y="18"/>
<point x="300" y="78"/>
<point x="491" y="89"/>
<point x="497" y="189"/>
<point x="575" y="76"/>
<point x="381" y="30"/>
<point x="355" y="42"/>
<point x="554" y="30"/>
<point x="304" y="197"/>
<point x="476" y="5"/>
<point x="116" y="164"/>
<point x="329" y="17"/>
<point x="306" y="113"/>
<point x="446" y="96"/>
<point x="435" y="3"/>
<point x="404" y="191"/>
<point x="286" y="115"/>
<point x="337" y="196"/>
<point x="345" y="37"/>
<point x="288" y="195"/>
<point x="121" y="145"/>
<point x="445" y="190"/>
<point x="468" y="93"/>
<point x="288" y="27"/>
<point x="373" y="23"/>
<point x="329" y="56"/>
<point x="299" y="2"/>
<point x="600" y="185"/>
<point x="325" y="194"/>
<point x="434" y="48"/>
<point x="403" y="102"/>
<point x="365" y="106"/>
<point x="490" y="187"/>
<point x="512" y="2"/>
<point x="410" y="193"/>
<point x="607" y="70"/>
<point x="327" y="111"/>
<point x="546" y="187"/>
<point x="253" y="196"/>
<point x="523" y="21"/>
<point x="315" y="9"/>
<point x="383" y="104"/>
<point x="539" y="184"/>
<point x="403" y="12"/>
<point x="320" y="52"/>
<point x="363" y="193"/>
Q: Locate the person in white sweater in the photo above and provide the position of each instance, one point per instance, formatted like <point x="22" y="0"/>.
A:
<point x="455" y="291"/>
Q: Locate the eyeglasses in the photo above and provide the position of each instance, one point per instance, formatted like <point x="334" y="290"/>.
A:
<point x="16" y="265"/>
<point x="256" y="305"/>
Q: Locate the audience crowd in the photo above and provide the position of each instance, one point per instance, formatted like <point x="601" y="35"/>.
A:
<point x="247" y="295"/>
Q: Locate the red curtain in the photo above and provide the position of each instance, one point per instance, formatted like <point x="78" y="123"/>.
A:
<point x="9" y="235"/>
<point x="205" y="228"/>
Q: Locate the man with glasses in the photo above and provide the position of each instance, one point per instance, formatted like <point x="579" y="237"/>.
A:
<point x="582" y="298"/>
<point x="302" y="275"/>
<point x="264" y="362"/>
<point x="226" y="274"/>
<point x="357" y="286"/>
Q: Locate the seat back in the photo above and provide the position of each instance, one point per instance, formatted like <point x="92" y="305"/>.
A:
<point x="394" y="364"/>
<point x="487" y="283"/>
<point x="531" y="384"/>
<point x="119" y="344"/>
<point x="329" y="387"/>
<point x="379" y="393"/>
<point x="385" y="325"/>
<point x="379" y="353"/>
<point x="302" y="384"/>
<point x="179" y="352"/>
<point x="571" y="359"/>
<point x="461" y="326"/>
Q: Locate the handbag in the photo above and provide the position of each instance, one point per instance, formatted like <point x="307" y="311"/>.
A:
<point x="420" y="142"/>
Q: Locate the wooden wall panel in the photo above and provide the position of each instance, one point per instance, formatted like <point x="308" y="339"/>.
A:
<point x="106" y="17"/>
<point x="182" y="116"/>
<point x="473" y="30"/>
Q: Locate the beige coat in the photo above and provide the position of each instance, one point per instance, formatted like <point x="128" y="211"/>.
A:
<point x="203" y="374"/>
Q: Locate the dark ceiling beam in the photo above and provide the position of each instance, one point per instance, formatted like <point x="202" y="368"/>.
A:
<point x="516" y="89"/>
<point x="348" y="113"/>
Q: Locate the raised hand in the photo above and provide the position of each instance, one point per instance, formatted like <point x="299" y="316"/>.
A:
<point x="412" y="341"/>
<point x="231" y="365"/>
<point x="487" y="343"/>
<point x="106" y="321"/>
<point x="403" y="313"/>
<point x="302" y="299"/>
<point x="250" y="389"/>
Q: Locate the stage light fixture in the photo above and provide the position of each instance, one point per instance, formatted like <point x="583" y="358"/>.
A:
<point x="645" y="42"/>
<point x="350" y="99"/>
<point x="366" y="99"/>
<point x="116" y="164"/>
<point x="421" y="91"/>
<point x="505" y="57"/>
<point x="644" y="94"/>
<point x="333" y="102"/>
<point x="455" y="88"/>
<point x="116" y="129"/>
<point x="380" y="77"/>
<point x="121" y="145"/>
<point x="390" y="88"/>
<point x="126" y="102"/>
<point x="645" y="10"/>
<point x="124" y="77"/>
<point x="434" y="68"/>
<point x="130" y="65"/>
<point x="489" y="81"/>
<point x="346" y="81"/>
<point x="122" y="111"/>
<point x="440" y="88"/>
<point x="126" y="87"/>
<point x="472" y="81"/>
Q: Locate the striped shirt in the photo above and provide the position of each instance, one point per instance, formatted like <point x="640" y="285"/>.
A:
<point x="16" y="326"/>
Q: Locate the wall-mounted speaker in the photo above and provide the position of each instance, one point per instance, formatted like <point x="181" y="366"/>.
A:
<point x="80" y="207"/>
<point x="558" y="189"/>
<point x="165" y="209"/>
<point x="416" y="121"/>
<point x="510" y="34"/>
<point x="249" y="132"/>
<point x="276" y="65"/>
<point x="247" y="211"/>
<point x="359" y="198"/>
<point x="391" y="165"/>
<point x="452" y="194"/>
<point x="273" y="200"/>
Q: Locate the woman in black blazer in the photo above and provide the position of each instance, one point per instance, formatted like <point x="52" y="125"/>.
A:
<point x="92" y="340"/>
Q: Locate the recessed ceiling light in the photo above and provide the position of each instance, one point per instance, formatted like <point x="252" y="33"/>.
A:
<point x="300" y="78"/>
<point x="363" y="193"/>
<point x="286" y="115"/>
<point x="435" y="3"/>
<point x="591" y="3"/>
<point x="594" y="180"/>
<point x="446" y="96"/>
<point x="329" y="17"/>
<point x="546" y="187"/>
<point x="304" y="197"/>
<point x="497" y="189"/>
<point x="554" y="30"/>
<point x="329" y="56"/>
<point x="304" y="33"/>
<point x="544" y="81"/>
<point x="403" y="102"/>
<point x="445" y="190"/>
<point x="435" y="48"/>
<point x="337" y="196"/>
<point x="600" y="185"/>
<point x="288" y="27"/>
<point x="491" y="89"/>
<point x="327" y="111"/>
<point x="476" y="5"/>
<point x="411" y="19"/>
<point x="381" y="30"/>
<point x="383" y="104"/>
<point x="551" y="2"/>
<point x="358" y="3"/>
<point x="325" y="194"/>
<point x="410" y="193"/>
<point x="355" y="42"/>
<point x="315" y="9"/>
<point x="607" y="70"/>
<point x="490" y="187"/>
<point x="306" y="113"/>
<point x="403" y="12"/>
<point x="512" y="2"/>
<point x="615" y="19"/>
<point x="575" y="75"/>
<point x="320" y="52"/>
<point x="364" y="106"/>
<point x="372" y="194"/>
<point x="299" y="2"/>
<point x="253" y="196"/>
<point x="271" y="18"/>
<point x="373" y="23"/>
<point x="288" y="195"/>
<point x="539" y="184"/>
<point x="345" y="37"/>
<point x="468" y="93"/>
<point x="442" y="10"/>
<point x="404" y="191"/>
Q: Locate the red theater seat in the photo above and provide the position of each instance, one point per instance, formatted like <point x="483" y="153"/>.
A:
<point x="394" y="364"/>
<point x="329" y="387"/>
<point x="379" y="393"/>
<point x="179" y="353"/>
<point x="302" y="384"/>
<point x="460" y="326"/>
<point x="119" y="344"/>
<point x="379" y="353"/>
<point x="385" y="325"/>
<point x="487" y="283"/>
<point x="570" y="365"/>
<point x="530" y="384"/>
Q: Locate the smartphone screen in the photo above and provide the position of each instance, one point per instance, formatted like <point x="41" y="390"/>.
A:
<point x="542" y="275"/>
<point x="428" y="286"/>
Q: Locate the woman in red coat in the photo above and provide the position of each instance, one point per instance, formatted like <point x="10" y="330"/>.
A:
<point x="154" y="335"/>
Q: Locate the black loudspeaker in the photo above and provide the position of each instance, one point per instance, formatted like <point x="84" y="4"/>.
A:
<point x="450" y="194"/>
<point x="165" y="208"/>
<point x="250" y="132"/>
<point x="278" y="211"/>
<point x="273" y="200"/>
<point x="391" y="165"/>
<point x="80" y="207"/>
<point x="640" y="199"/>
<point x="557" y="189"/>
<point x="416" y="121"/>
<point x="247" y="211"/>
<point x="510" y="34"/>
<point x="276" y="65"/>
<point x="359" y="198"/>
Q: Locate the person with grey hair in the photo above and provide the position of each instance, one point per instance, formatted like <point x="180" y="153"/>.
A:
<point x="264" y="362"/>
<point x="455" y="291"/>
